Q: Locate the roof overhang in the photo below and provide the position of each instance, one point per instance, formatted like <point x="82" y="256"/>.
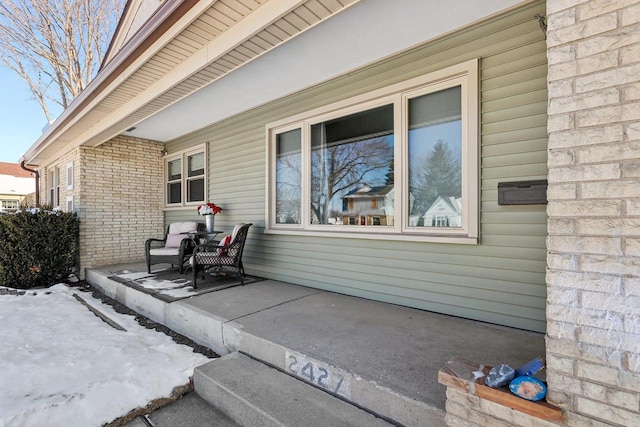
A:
<point x="185" y="46"/>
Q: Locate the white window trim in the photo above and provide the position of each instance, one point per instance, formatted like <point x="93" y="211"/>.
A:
<point x="70" y="200"/>
<point x="464" y="74"/>
<point x="70" y="176"/>
<point x="183" y="154"/>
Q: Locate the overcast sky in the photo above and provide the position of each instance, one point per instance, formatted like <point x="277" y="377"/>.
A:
<point x="21" y="118"/>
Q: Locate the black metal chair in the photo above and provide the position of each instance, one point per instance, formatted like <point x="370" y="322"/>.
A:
<point x="176" y="247"/>
<point x="212" y="258"/>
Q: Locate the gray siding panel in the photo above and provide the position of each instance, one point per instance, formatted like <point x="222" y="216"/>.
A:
<point x="501" y="280"/>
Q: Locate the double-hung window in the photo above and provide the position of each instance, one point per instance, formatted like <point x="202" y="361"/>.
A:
<point x="185" y="178"/>
<point x="54" y="187"/>
<point x="401" y="162"/>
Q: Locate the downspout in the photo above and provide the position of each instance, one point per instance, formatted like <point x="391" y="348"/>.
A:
<point x="37" y="174"/>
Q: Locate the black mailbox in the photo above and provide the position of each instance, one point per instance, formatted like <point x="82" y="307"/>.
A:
<point x="522" y="193"/>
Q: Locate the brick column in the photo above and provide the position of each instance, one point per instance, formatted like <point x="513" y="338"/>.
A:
<point x="593" y="275"/>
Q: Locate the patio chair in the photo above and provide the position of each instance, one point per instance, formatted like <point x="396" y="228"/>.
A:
<point x="176" y="247"/>
<point x="221" y="258"/>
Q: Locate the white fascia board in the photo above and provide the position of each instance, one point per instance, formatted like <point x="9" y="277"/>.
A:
<point x="53" y="133"/>
<point x="365" y="33"/>
<point x="220" y="46"/>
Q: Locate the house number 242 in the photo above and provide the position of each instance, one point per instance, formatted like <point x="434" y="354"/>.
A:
<point x="313" y="373"/>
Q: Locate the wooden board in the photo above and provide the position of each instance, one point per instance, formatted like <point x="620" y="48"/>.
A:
<point x="458" y="373"/>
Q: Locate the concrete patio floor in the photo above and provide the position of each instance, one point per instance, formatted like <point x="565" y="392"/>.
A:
<point x="387" y="356"/>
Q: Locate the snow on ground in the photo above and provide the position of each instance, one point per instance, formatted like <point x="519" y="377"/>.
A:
<point x="63" y="366"/>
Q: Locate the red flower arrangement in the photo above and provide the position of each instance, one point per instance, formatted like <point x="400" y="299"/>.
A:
<point x="209" y="209"/>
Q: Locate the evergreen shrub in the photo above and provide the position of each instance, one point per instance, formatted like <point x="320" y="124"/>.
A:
<point x="38" y="248"/>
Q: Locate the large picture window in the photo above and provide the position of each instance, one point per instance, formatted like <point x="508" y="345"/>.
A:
<point x="401" y="162"/>
<point x="185" y="178"/>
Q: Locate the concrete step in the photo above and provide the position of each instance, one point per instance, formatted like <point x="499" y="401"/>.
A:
<point x="254" y="394"/>
<point x="189" y="411"/>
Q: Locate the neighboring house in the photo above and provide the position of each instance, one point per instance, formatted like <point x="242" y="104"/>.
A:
<point x="368" y="206"/>
<point x="444" y="212"/>
<point x="227" y="100"/>
<point x="16" y="187"/>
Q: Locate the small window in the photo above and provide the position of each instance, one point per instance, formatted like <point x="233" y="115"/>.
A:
<point x="69" y="203"/>
<point x="185" y="178"/>
<point x="70" y="176"/>
<point x="54" y="187"/>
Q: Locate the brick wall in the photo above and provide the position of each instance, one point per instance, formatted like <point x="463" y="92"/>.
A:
<point x="593" y="276"/>
<point x="120" y="205"/>
<point x="117" y="193"/>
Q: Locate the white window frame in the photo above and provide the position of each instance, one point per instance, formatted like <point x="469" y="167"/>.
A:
<point x="465" y="75"/>
<point x="183" y="156"/>
<point x="70" y="176"/>
<point x="70" y="206"/>
<point x="54" y="187"/>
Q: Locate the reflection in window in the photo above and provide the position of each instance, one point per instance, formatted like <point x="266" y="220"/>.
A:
<point x="351" y="165"/>
<point x="195" y="177"/>
<point x="435" y="156"/>
<point x="174" y="181"/>
<point x="288" y="177"/>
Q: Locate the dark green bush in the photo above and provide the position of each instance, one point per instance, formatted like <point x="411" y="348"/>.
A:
<point x="38" y="249"/>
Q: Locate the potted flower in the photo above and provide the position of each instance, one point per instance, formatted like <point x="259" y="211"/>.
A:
<point x="208" y="210"/>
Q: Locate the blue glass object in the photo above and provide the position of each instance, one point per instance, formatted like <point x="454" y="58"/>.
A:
<point x="529" y="388"/>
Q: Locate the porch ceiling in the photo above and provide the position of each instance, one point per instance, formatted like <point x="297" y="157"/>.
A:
<point x="208" y="41"/>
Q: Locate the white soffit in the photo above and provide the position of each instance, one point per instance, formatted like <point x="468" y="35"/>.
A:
<point x="366" y="32"/>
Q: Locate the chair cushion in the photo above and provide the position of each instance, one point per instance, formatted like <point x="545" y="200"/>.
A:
<point x="183" y="227"/>
<point x="224" y="242"/>
<point x="174" y="240"/>
<point x="235" y="230"/>
<point x="165" y="251"/>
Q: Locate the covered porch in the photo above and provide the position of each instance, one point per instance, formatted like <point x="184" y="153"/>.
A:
<point x="379" y="356"/>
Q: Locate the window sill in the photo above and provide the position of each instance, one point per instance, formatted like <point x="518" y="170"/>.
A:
<point x="405" y="237"/>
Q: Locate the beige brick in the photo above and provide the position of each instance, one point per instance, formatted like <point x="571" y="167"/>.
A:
<point x="599" y="393"/>
<point x="609" y="226"/>
<point x="558" y="158"/>
<point x="585" y="244"/>
<point x="632" y="325"/>
<point x="603" y="411"/>
<point x="611" y="284"/>
<point x="581" y="173"/>
<point x="611" y="189"/>
<point x="608" y="78"/>
<point x="632" y="207"/>
<point x="581" y="208"/>
<point x="562" y="347"/>
<point x="632" y="286"/>
<point x="584" y="137"/>
<point x="560" y="364"/>
<point x="608" y="42"/>
<point x="566" y="297"/>
<point x="609" y="265"/>
<point x="572" y="419"/>
<point x="560" y="88"/>
<point x="633" y="131"/>
<point x="607" y="96"/>
<point x="560" y="122"/>
<point x="563" y="19"/>
<point x="595" y="8"/>
<point x="560" y="225"/>
<point x="630" y="15"/>
<point x="631" y="169"/>
<point x="631" y="92"/>
<point x="632" y="247"/>
<point x="560" y="5"/>
<point x="562" y="330"/>
<point x="581" y="29"/>
<point x="567" y="262"/>
<point x="609" y="152"/>
<point x="630" y="54"/>
<point x="567" y="384"/>
<point x="560" y="54"/>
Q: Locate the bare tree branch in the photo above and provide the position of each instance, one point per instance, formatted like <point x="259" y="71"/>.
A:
<point x="56" y="46"/>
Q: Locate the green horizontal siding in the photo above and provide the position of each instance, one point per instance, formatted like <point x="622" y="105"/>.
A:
<point x="501" y="280"/>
